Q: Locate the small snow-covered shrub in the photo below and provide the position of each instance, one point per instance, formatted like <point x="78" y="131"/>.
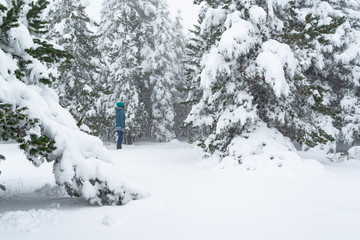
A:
<point x="352" y="154"/>
<point x="51" y="191"/>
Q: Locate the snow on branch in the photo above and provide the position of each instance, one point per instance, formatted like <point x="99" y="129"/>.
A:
<point x="275" y="59"/>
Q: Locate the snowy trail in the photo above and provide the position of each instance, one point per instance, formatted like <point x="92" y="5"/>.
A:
<point x="188" y="201"/>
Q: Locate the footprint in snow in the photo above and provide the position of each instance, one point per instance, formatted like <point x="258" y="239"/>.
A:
<point x="108" y="221"/>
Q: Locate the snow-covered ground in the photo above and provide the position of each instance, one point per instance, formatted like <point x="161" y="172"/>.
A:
<point x="189" y="200"/>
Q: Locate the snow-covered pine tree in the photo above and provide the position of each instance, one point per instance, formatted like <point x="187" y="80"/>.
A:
<point x="165" y="72"/>
<point x="138" y="42"/>
<point x="69" y="27"/>
<point x="31" y="115"/>
<point x="120" y="43"/>
<point x="197" y="45"/>
<point x="181" y="109"/>
<point x="332" y="63"/>
<point x="16" y="124"/>
<point x="324" y="36"/>
<point x="260" y="69"/>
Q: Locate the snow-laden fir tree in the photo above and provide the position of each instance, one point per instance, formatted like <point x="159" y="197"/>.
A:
<point x="196" y="47"/>
<point x="120" y="42"/>
<point x="139" y="46"/>
<point x="69" y="26"/>
<point x="264" y="66"/>
<point x="31" y="115"/>
<point x="336" y="63"/>
<point x="165" y="69"/>
<point x="181" y="109"/>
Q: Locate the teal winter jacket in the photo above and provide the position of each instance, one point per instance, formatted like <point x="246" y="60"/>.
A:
<point x="120" y="119"/>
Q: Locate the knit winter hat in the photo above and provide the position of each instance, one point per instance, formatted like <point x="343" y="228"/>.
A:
<point x="120" y="104"/>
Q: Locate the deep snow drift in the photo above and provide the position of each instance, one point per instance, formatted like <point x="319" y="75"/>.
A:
<point x="190" y="199"/>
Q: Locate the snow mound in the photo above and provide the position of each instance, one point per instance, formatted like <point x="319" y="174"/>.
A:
<point x="27" y="221"/>
<point x="51" y="191"/>
<point x="108" y="221"/>
<point x="353" y="154"/>
<point x="174" y="141"/>
<point x="266" y="149"/>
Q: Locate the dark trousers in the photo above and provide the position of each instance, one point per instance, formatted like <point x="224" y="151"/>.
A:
<point x="120" y="138"/>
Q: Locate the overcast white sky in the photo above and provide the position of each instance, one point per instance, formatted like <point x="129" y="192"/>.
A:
<point x="189" y="11"/>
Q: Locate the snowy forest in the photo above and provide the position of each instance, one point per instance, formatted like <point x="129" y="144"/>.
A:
<point x="251" y="83"/>
<point x="237" y="119"/>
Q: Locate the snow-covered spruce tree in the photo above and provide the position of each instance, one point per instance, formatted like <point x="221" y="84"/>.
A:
<point x="31" y="115"/>
<point x="138" y="42"/>
<point x="327" y="42"/>
<point x="336" y="61"/>
<point x="197" y="46"/>
<point x="181" y="109"/>
<point x="165" y="69"/>
<point x="120" y="42"/>
<point x="77" y="84"/>
<point x="260" y="70"/>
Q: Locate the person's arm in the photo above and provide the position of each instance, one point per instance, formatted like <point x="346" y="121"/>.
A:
<point x="117" y="119"/>
<point x="122" y="120"/>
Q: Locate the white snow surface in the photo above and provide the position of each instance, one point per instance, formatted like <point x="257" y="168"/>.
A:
<point x="190" y="200"/>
